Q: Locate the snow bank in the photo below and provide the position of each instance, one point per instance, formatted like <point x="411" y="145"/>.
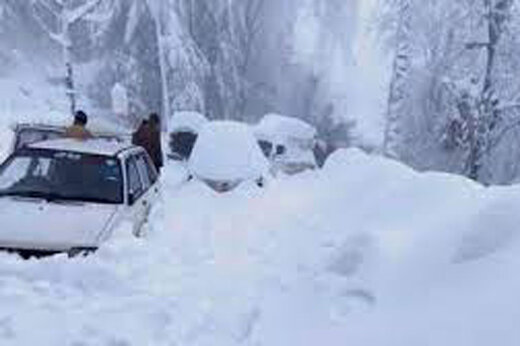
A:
<point x="364" y="252"/>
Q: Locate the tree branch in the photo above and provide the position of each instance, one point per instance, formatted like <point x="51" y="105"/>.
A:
<point x="74" y="15"/>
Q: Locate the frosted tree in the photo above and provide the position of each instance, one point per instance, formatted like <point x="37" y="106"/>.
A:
<point x="483" y="108"/>
<point x="226" y="34"/>
<point x="483" y="123"/>
<point x="461" y="111"/>
<point x="159" y="9"/>
<point x="399" y="86"/>
<point x="57" y="17"/>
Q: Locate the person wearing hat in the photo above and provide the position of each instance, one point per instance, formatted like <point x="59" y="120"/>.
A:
<point x="78" y="129"/>
<point x="156" y="151"/>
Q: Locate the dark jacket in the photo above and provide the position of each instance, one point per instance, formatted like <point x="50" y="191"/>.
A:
<point x="148" y="136"/>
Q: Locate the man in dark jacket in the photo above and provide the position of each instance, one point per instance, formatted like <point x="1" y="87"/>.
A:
<point x="148" y="136"/>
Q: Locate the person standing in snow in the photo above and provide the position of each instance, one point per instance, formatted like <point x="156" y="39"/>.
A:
<point x="78" y="129"/>
<point x="157" y="154"/>
<point x="148" y="136"/>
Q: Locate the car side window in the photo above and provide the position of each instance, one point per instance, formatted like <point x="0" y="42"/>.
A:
<point x="267" y="147"/>
<point x="135" y="186"/>
<point x="280" y="149"/>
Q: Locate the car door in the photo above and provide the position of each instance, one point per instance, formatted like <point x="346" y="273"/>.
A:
<point x="136" y="191"/>
<point x="148" y="169"/>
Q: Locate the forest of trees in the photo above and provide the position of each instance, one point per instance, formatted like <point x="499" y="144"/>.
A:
<point x="458" y="64"/>
<point x="227" y="59"/>
<point x="452" y="101"/>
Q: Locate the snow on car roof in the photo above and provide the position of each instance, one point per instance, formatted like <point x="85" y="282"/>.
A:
<point x="187" y="121"/>
<point x="97" y="146"/>
<point x="280" y="127"/>
<point x="227" y="150"/>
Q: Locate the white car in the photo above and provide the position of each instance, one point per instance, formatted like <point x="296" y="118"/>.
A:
<point x="67" y="195"/>
<point x="225" y="154"/>
<point x="287" y="142"/>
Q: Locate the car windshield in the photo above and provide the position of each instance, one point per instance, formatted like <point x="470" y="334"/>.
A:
<point x="62" y="176"/>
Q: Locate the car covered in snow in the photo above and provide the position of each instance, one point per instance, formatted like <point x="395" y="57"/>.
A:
<point x="287" y="142"/>
<point x="67" y="195"/>
<point x="183" y="130"/>
<point x="226" y="154"/>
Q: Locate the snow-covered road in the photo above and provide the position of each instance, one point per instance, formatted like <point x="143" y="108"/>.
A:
<point x="366" y="252"/>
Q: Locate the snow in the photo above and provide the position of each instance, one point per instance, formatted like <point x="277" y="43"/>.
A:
<point x="365" y="252"/>
<point x="281" y="127"/>
<point x="25" y="97"/>
<point x="119" y="97"/>
<point x="227" y="151"/>
<point x="186" y="121"/>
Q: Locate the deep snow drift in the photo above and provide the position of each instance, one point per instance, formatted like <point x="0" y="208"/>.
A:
<point x="365" y="252"/>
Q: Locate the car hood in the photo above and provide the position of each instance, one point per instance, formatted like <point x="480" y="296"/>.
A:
<point x="40" y="225"/>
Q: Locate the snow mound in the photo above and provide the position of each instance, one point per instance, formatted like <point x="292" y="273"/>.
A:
<point x="227" y="150"/>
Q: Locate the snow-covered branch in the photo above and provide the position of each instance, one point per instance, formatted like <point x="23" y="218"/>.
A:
<point x="73" y="15"/>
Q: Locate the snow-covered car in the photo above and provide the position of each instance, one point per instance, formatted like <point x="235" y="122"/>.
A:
<point x="287" y="142"/>
<point x="66" y="195"/>
<point x="226" y="154"/>
<point x="183" y="130"/>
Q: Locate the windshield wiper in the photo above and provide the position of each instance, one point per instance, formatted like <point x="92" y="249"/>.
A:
<point x="46" y="196"/>
<point x="26" y="194"/>
<point x="99" y="200"/>
<point x="56" y="197"/>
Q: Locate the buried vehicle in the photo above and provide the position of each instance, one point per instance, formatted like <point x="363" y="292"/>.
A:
<point x="66" y="195"/>
<point x="183" y="130"/>
<point x="227" y="154"/>
<point x="287" y="142"/>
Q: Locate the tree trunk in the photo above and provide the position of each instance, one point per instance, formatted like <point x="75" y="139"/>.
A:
<point x="160" y="11"/>
<point x="67" y="57"/>
<point x="496" y="14"/>
<point x="398" y="87"/>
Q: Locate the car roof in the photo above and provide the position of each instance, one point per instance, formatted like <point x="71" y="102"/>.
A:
<point x="95" y="146"/>
<point x="187" y="121"/>
<point x="279" y="127"/>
